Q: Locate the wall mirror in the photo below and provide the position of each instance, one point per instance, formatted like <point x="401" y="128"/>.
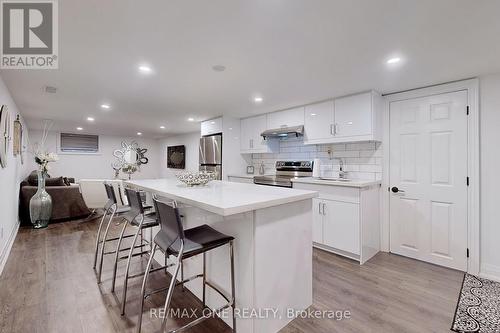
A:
<point x="4" y="135"/>
<point x="130" y="158"/>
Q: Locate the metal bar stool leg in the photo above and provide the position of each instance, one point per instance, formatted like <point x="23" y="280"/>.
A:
<point x="182" y="275"/>
<point x="204" y="279"/>
<point x="166" y="264"/>
<point x="173" y="282"/>
<point x="233" y="306"/>
<point x="142" y="242"/>
<point x="125" y="280"/>
<point x="143" y="289"/>
<point x="99" y="237"/>
<point x="117" y="254"/>
<point x="101" y="256"/>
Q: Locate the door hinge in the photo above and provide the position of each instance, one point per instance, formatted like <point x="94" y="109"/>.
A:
<point x="467" y="252"/>
<point x="467" y="181"/>
<point x="467" y="110"/>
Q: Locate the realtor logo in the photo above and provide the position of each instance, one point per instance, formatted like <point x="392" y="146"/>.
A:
<point x="29" y="34"/>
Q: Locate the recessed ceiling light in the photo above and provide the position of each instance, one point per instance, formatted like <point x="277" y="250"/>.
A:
<point x="105" y="106"/>
<point x="90" y="119"/>
<point x="219" y="68"/>
<point x="139" y="133"/>
<point x="190" y="119"/>
<point x="145" y="69"/>
<point x="212" y="122"/>
<point x="79" y="129"/>
<point x="162" y="127"/>
<point x="394" y="60"/>
<point x="258" y="99"/>
<point x="313" y="114"/>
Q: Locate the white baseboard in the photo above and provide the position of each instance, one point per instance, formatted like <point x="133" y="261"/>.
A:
<point x="490" y="272"/>
<point x="6" y="251"/>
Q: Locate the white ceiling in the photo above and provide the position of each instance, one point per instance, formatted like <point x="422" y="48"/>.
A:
<point x="291" y="52"/>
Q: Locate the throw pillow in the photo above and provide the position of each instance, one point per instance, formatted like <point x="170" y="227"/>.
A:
<point x="55" y="181"/>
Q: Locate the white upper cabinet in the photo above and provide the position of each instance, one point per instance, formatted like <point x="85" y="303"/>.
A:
<point x="211" y="126"/>
<point x="353" y="115"/>
<point x="251" y="140"/>
<point x="286" y="118"/>
<point x="318" y="122"/>
<point x="345" y="119"/>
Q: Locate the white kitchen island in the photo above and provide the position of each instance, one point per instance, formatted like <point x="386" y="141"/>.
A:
<point x="272" y="227"/>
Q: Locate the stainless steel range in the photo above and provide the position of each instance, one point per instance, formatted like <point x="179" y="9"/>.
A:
<point x="285" y="172"/>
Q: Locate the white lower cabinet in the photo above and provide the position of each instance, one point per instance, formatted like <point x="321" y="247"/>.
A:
<point x="346" y="220"/>
<point x="341" y="226"/>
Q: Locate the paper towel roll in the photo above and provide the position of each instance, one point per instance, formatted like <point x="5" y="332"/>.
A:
<point x="316" y="167"/>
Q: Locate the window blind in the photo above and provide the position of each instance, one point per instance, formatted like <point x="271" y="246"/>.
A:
<point x="79" y="143"/>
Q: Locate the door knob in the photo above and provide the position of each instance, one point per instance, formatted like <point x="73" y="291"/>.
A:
<point x="394" y="189"/>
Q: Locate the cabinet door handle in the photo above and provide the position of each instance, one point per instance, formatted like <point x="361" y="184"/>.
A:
<point x="335" y="129"/>
<point x="319" y="208"/>
<point x="251" y="143"/>
<point x="332" y="130"/>
<point x="324" y="206"/>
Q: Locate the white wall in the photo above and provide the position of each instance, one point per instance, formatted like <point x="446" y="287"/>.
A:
<point x="98" y="165"/>
<point x="10" y="177"/>
<point x="490" y="174"/>
<point x="192" y="143"/>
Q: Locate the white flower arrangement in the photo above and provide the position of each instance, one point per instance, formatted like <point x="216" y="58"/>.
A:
<point x="42" y="157"/>
<point x="43" y="160"/>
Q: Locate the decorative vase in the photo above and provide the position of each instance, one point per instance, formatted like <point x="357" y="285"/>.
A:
<point x="40" y="204"/>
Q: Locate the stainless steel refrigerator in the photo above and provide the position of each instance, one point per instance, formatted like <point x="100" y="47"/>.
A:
<point x="211" y="154"/>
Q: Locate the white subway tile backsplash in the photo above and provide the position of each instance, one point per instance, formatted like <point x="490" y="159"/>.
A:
<point x="370" y="168"/>
<point x="321" y="155"/>
<point x="346" y="153"/>
<point x="371" y="153"/>
<point x="351" y="167"/>
<point x="338" y="146"/>
<point x="290" y="149"/>
<point x="360" y="146"/>
<point x="362" y="160"/>
<point x="308" y="148"/>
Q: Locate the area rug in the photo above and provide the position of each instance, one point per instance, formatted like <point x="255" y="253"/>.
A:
<point x="478" y="308"/>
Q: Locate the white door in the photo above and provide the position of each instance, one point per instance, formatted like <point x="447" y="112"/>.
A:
<point x="353" y="115"/>
<point x="318" y="121"/>
<point x="428" y="168"/>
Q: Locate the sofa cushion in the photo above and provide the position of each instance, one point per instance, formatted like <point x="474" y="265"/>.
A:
<point x="59" y="181"/>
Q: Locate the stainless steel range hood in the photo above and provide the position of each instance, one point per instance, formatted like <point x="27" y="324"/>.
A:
<point x="284" y="132"/>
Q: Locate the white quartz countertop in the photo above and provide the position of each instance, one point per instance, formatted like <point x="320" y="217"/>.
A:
<point x="351" y="183"/>
<point x="221" y="197"/>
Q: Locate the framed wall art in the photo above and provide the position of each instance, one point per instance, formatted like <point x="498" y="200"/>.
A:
<point x="176" y="157"/>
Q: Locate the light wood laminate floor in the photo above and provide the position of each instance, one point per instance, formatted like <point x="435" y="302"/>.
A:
<point x="48" y="285"/>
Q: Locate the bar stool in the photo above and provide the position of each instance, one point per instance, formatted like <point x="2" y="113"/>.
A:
<point x="140" y="220"/>
<point x="173" y="240"/>
<point x="111" y="208"/>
